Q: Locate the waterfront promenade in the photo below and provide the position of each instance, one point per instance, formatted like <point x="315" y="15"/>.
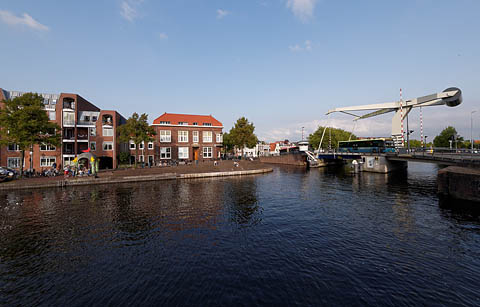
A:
<point x="200" y="170"/>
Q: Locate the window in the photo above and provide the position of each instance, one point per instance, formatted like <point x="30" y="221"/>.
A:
<point x="93" y="131"/>
<point x="183" y="152"/>
<point x="195" y="136"/>
<point x="132" y="145"/>
<point x="107" y="146"/>
<point x="207" y="136"/>
<point x="141" y="158"/>
<point x="150" y="145"/>
<point x="52" y="115"/>
<point x="165" y="153"/>
<point x="13" y="162"/>
<point x="141" y="146"/>
<point x="195" y="123"/>
<point x="93" y="146"/>
<point x="13" y="147"/>
<point x="183" y="123"/>
<point x="44" y="147"/>
<point x="164" y="123"/>
<point x="107" y="131"/>
<point x="219" y="137"/>
<point x="165" y="136"/>
<point x="94" y="118"/>
<point x="182" y="136"/>
<point x="207" y="124"/>
<point x="47" y="161"/>
<point x="68" y="161"/>
<point x="86" y="118"/>
<point x="68" y="118"/>
<point x="207" y="152"/>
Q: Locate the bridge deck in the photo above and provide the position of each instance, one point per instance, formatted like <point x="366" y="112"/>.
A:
<point x="444" y="158"/>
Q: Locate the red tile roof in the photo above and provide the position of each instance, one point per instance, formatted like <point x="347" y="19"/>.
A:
<point x="174" y="119"/>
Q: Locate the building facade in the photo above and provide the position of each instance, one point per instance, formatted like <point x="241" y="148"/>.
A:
<point x="83" y="125"/>
<point x="187" y="137"/>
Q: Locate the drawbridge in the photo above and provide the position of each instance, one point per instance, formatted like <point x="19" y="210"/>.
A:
<point x="450" y="97"/>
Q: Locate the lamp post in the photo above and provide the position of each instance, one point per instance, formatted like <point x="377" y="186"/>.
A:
<point x="425" y="144"/>
<point x="471" y="128"/>
<point x="408" y="139"/>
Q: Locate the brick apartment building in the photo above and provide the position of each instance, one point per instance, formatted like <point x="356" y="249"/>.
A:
<point x="83" y="126"/>
<point x="187" y="137"/>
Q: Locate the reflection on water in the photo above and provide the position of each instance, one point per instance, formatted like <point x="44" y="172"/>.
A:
<point x="293" y="237"/>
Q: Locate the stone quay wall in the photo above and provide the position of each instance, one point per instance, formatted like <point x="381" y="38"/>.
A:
<point x="459" y="182"/>
<point x="288" y="159"/>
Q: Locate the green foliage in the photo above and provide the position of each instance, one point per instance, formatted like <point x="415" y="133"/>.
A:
<point x="124" y="157"/>
<point x="449" y="133"/>
<point x="337" y="135"/>
<point x="228" y="145"/>
<point x="23" y="121"/>
<point x="137" y="130"/>
<point x="241" y="134"/>
<point x="415" y="144"/>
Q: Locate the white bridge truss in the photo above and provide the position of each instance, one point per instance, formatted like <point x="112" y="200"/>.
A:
<point x="451" y="97"/>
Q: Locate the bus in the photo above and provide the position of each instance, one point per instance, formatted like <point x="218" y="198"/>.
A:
<point x="380" y="145"/>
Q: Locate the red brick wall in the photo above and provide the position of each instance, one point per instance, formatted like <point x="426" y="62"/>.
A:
<point x="174" y="144"/>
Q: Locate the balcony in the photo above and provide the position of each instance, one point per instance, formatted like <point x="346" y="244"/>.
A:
<point x="82" y="136"/>
<point x="86" y="123"/>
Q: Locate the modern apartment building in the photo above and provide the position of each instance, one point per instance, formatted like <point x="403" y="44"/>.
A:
<point x="188" y="137"/>
<point x="84" y="126"/>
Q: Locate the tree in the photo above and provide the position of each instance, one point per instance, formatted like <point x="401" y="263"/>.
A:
<point x="448" y="134"/>
<point x="24" y="122"/>
<point x="337" y="135"/>
<point x="241" y="134"/>
<point x="227" y="142"/>
<point x="415" y="143"/>
<point x="136" y="130"/>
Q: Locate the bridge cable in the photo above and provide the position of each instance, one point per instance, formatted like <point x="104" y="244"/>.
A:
<point x="323" y="134"/>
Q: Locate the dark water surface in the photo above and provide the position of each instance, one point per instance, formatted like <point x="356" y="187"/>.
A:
<point x="292" y="237"/>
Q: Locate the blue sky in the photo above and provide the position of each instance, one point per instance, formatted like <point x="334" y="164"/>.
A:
<point x="280" y="63"/>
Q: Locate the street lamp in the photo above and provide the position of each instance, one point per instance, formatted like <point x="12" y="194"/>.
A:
<point x="471" y="127"/>
<point x="408" y="138"/>
<point x="425" y="144"/>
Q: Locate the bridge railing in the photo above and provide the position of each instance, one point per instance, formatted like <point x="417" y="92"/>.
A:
<point x="460" y="155"/>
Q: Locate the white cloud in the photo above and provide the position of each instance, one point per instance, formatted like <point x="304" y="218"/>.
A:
<point x="129" y="9"/>
<point x="295" y="48"/>
<point x="222" y="13"/>
<point x="26" y="20"/>
<point x="307" y="46"/>
<point x="163" y="36"/>
<point x="302" y="9"/>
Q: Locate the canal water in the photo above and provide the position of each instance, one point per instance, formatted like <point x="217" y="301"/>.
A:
<point x="291" y="237"/>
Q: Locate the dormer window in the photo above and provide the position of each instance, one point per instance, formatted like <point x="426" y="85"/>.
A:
<point x="164" y="123"/>
<point x="183" y="123"/>
<point x="86" y="118"/>
<point x="195" y="123"/>
<point x="207" y="124"/>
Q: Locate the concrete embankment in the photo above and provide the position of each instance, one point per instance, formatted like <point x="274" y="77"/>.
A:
<point x="17" y="185"/>
<point x="288" y="159"/>
<point x="459" y="182"/>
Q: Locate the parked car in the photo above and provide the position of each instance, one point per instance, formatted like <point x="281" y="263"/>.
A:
<point x="6" y="174"/>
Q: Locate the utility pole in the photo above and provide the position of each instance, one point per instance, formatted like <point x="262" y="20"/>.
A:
<point x="408" y="136"/>
<point x="471" y="128"/>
